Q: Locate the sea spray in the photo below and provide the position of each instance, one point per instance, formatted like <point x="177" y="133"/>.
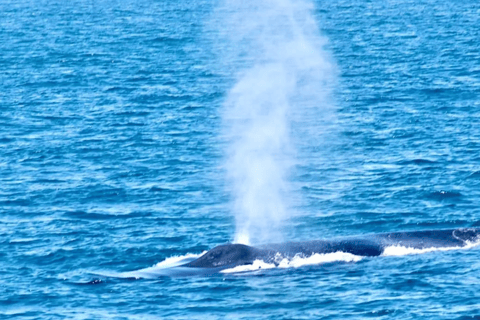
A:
<point x="282" y="72"/>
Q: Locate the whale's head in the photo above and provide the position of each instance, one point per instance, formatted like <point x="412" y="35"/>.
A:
<point x="227" y="255"/>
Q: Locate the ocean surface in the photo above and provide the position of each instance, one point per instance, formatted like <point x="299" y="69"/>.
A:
<point x="112" y="159"/>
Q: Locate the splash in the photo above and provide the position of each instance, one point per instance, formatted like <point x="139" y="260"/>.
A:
<point x="402" y="250"/>
<point x="297" y="262"/>
<point x="178" y="260"/>
<point x="256" y="265"/>
<point x="275" y="49"/>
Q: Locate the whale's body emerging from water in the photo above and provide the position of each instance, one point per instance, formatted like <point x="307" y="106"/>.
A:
<point x="229" y="256"/>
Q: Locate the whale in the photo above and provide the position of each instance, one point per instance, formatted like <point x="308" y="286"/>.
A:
<point x="231" y="255"/>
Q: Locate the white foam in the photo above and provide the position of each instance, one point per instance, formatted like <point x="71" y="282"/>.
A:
<point x="256" y="265"/>
<point x="399" y="250"/>
<point x="318" y="258"/>
<point x="177" y="260"/>
<point x="296" y="262"/>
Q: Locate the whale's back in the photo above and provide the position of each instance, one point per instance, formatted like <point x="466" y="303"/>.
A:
<point x="228" y="255"/>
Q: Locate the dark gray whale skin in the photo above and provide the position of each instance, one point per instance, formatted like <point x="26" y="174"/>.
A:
<point x="231" y="255"/>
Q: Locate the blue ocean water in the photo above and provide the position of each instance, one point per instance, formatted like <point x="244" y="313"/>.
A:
<point x="112" y="160"/>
